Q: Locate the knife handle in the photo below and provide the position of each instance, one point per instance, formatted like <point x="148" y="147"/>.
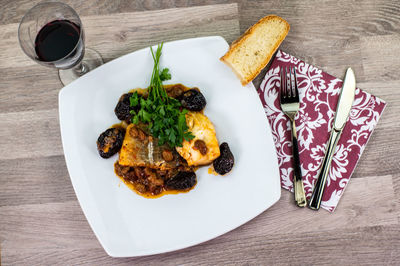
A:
<point x="316" y="197"/>
<point x="299" y="194"/>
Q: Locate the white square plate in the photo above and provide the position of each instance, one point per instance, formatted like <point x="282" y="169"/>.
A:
<point x="127" y="224"/>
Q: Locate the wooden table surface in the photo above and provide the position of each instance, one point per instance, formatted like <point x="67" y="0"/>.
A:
<point x="41" y="221"/>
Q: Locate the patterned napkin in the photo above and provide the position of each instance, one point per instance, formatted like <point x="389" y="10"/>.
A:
<point x="319" y="94"/>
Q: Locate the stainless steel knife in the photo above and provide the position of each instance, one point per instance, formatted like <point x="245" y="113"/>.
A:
<point x="343" y="107"/>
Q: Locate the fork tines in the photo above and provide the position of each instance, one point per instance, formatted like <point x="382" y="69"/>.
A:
<point x="289" y="83"/>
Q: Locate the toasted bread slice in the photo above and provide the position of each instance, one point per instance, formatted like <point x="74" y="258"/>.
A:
<point x="249" y="54"/>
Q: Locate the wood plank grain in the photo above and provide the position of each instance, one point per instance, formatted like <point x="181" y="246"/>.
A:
<point x="387" y="91"/>
<point x="327" y="34"/>
<point x="37" y="87"/>
<point x="43" y="224"/>
<point x="50" y="226"/>
<point x="329" y="18"/>
<point x="353" y="210"/>
<point x="21" y="227"/>
<point x="380" y="57"/>
<point x="135" y="30"/>
<point x="30" y="134"/>
<point x="148" y="28"/>
<point x="371" y="245"/>
<point x="28" y="88"/>
<point x="374" y="245"/>
<point x="12" y="11"/>
<point x="380" y="155"/>
<point x="35" y="181"/>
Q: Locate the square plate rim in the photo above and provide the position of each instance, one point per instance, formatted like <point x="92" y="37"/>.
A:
<point x="82" y="204"/>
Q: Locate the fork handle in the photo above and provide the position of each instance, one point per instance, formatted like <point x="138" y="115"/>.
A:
<point x="299" y="194"/>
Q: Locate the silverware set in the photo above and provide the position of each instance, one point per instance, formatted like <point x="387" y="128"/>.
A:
<point x="290" y="105"/>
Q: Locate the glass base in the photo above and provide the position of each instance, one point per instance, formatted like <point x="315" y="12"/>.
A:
<point x="91" y="60"/>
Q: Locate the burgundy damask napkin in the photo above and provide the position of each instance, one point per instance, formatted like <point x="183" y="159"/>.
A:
<point x="319" y="94"/>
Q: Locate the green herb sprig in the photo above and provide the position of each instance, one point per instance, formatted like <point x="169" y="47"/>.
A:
<point x="164" y="115"/>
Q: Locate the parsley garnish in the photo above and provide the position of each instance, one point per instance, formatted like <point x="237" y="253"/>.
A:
<point x="164" y="115"/>
<point x="165" y="75"/>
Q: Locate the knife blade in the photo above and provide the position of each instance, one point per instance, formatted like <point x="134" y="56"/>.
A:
<point x="343" y="108"/>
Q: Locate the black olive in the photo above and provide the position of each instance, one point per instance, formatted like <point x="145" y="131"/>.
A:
<point x="182" y="181"/>
<point x="110" y="142"/>
<point x="193" y="100"/>
<point x="224" y="163"/>
<point x="123" y="108"/>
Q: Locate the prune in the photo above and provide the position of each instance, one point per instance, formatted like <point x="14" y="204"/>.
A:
<point x="110" y="142"/>
<point x="224" y="163"/>
<point x="123" y="108"/>
<point x="181" y="181"/>
<point x="193" y="100"/>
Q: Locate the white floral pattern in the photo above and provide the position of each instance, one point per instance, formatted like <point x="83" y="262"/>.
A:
<point x="319" y="93"/>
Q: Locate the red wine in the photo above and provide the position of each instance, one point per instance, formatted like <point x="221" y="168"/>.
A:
<point x="58" y="39"/>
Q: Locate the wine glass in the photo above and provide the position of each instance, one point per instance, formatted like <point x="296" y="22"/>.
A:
<point x="51" y="34"/>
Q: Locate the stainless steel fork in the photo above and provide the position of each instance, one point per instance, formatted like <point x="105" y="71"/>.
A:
<point x="290" y="105"/>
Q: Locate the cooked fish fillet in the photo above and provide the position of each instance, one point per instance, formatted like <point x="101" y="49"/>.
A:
<point x="202" y="128"/>
<point x="146" y="153"/>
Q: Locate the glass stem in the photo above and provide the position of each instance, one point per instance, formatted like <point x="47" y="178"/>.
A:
<point x="81" y="69"/>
